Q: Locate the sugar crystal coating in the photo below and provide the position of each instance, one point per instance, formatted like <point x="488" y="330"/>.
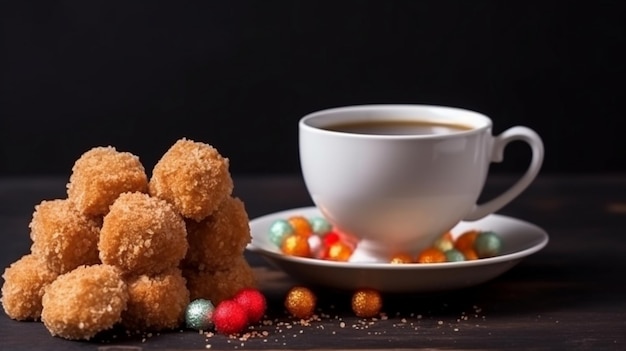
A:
<point x="156" y="302"/>
<point x="193" y="177"/>
<point x="63" y="237"/>
<point x="85" y="301"/>
<point x="100" y="175"/>
<point x="24" y="284"/>
<point x="218" y="239"/>
<point x="220" y="284"/>
<point x="142" y="235"/>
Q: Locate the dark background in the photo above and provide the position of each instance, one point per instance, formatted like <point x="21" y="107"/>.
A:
<point x="139" y="75"/>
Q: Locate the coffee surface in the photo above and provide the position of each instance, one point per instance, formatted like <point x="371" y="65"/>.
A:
<point x="397" y="127"/>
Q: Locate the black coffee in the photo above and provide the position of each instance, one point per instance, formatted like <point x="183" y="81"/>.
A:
<point x="396" y="127"/>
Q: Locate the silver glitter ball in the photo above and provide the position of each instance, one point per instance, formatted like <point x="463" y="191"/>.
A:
<point x="199" y="314"/>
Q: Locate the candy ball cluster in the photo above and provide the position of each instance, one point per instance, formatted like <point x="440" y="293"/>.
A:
<point x="124" y="248"/>
<point x="315" y="238"/>
<point x="230" y="316"/>
<point x="310" y="237"/>
<point x="469" y="245"/>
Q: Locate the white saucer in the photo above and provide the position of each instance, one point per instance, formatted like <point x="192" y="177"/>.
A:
<point x="519" y="239"/>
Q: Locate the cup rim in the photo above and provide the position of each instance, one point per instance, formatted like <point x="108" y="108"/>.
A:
<point x="322" y="118"/>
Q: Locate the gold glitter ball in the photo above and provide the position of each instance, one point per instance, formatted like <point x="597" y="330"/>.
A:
<point x="401" y="258"/>
<point x="339" y="252"/>
<point x="296" y="245"/>
<point x="300" y="302"/>
<point x="445" y="242"/>
<point x="300" y="225"/>
<point x="366" y="303"/>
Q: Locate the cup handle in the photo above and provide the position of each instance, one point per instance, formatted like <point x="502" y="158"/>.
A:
<point x="500" y="142"/>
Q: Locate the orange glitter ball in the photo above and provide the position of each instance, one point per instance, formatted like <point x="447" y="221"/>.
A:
<point x="300" y="302"/>
<point x="469" y="254"/>
<point x="366" y="303"/>
<point x="431" y="255"/>
<point x="339" y="251"/>
<point x="296" y="245"/>
<point x="301" y="225"/>
<point x="466" y="241"/>
<point x="401" y="258"/>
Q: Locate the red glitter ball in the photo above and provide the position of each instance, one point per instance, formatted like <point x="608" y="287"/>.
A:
<point x="330" y="238"/>
<point x="229" y="317"/>
<point x="253" y="302"/>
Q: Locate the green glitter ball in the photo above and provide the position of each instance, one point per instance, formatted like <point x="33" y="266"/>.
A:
<point x="487" y="244"/>
<point x="199" y="314"/>
<point x="454" y="255"/>
<point x="279" y="230"/>
<point x="320" y="225"/>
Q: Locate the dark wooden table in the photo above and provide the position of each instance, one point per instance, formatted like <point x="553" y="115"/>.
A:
<point x="570" y="295"/>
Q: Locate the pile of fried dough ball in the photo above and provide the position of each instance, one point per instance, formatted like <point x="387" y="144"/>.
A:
<point x="125" y="250"/>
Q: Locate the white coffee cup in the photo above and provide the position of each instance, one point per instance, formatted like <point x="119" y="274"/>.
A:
<point x="398" y="191"/>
